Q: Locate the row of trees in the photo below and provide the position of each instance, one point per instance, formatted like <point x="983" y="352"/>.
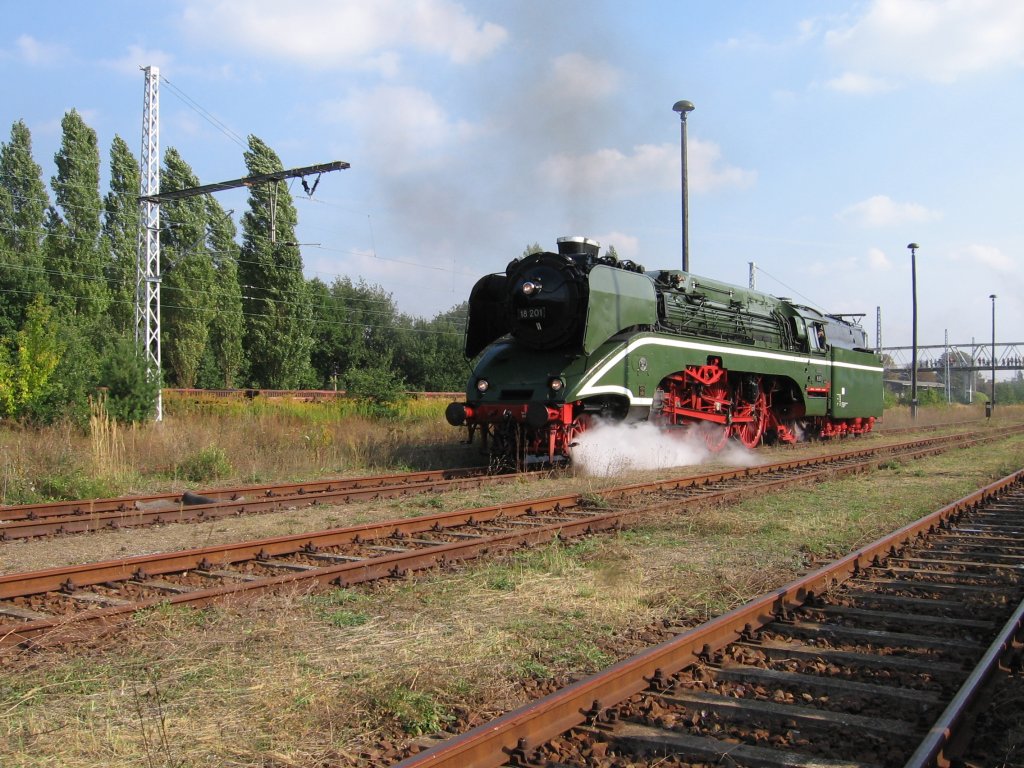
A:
<point x="235" y="312"/>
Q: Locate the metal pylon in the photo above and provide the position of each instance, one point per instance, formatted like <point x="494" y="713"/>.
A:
<point x="147" y="271"/>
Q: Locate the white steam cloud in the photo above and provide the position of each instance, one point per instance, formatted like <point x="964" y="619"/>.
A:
<point x="608" y="449"/>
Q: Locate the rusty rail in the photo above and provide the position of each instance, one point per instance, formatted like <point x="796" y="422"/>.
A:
<point x="132" y="504"/>
<point x="523" y="730"/>
<point x="410" y="549"/>
<point x="932" y="750"/>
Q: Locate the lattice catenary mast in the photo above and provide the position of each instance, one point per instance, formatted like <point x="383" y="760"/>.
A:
<point x="147" y="265"/>
<point x="147" y="271"/>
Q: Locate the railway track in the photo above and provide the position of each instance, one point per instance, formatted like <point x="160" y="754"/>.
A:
<point x="77" y="516"/>
<point x="875" y="660"/>
<point x="25" y="521"/>
<point x="60" y="602"/>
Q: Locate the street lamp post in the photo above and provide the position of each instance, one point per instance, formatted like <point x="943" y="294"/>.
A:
<point x="992" y="399"/>
<point x="683" y="108"/>
<point x="913" y="356"/>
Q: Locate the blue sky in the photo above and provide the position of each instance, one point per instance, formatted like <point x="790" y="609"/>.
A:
<point x="826" y="135"/>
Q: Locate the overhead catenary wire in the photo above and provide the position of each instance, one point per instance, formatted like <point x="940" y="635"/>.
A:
<point x="297" y="199"/>
<point x="296" y="293"/>
<point x="373" y="253"/>
<point x="205" y="114"/>
<point x="335" y="276"/>
<point x="220" y="311"/>
<point x="280" y="302"/>
<point x="810" y="302"/>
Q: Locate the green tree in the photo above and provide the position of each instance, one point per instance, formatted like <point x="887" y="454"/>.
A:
<point x="188" y="276"/>
<point x="225" y="359"/>
<point x="121" y="234"/>
<point x="6" y="380"/>
<point x="275" y="299"/>
<point x="355" y="325"/>
<point x="26" y="379"/>
<point x="23" y="204"/>
<point x="430" y="353"/>
<point x="130" y="393"/>
<point x="324" y="356"/>
<point x="77" y="257"/>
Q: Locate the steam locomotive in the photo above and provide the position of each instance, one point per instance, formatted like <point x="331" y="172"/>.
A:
<point x="571" y="336"/>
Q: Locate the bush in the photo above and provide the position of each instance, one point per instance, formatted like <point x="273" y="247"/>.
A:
<point x="209" y="464"/>
<point x="379" y="387"/>
<point x="72" y="484"/>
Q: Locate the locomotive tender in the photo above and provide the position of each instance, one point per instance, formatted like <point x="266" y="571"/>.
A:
<point x="573" y="335"/>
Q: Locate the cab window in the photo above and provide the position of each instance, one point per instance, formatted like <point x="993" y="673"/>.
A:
<point x="817" y="338"/>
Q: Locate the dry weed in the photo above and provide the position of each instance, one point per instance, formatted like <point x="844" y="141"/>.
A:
<point x="316" y="679"/>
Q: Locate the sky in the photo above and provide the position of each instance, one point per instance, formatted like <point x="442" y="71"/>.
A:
<point x="826" y="135"/>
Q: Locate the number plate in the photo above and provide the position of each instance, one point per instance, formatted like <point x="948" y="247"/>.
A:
<point x="532" y="313"/>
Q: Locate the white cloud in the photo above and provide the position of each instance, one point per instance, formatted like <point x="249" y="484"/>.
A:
<point x="627" y="246"/>
<point x="987" y="256"/>
<point x="32" y="51"/>
<point x="935" y="40"/>
<point x="327" y="34"/>
<point x="706" y="171"/>
<point x="806" y="30"/>
<point x="883" y="211"/>
<point x="138" y="57"/>
<point x="878" y="261"/>
<point x="648" y="166"/>
<point x="403" y="128"/>
<point x="854" y="82"/>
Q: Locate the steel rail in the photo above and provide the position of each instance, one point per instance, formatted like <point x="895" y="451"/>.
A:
<point x="196" y="511"/>
<point x="931" y="752"/>
<point x="533" y="724"/>
<point x="43" y="522"/>
<point x="68" y="579"/>
<point x="135" y="503"/>
<point x="25" y="521"/>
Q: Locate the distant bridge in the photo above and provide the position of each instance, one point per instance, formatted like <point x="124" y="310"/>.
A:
<point x="937" y="358"/>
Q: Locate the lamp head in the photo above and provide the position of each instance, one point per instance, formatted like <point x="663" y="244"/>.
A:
<point x="913" y="246"/>
<point x="682" y="107"/>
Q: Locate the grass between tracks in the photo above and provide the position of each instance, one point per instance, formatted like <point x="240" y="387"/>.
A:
<point x="239" y="442"/>
<point x="312" y="679"/>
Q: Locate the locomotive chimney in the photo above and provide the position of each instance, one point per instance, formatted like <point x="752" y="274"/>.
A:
<point x="578" y="246"/>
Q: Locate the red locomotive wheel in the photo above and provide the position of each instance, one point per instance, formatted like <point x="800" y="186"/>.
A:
<point x="716" y="436"/>
<point x="750" y="432"/>
<point x="572" y="431"/>
<point x="716" y="399"/>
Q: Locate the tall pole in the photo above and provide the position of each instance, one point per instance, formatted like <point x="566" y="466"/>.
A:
<point x="993" y="398"/>
<point x="971" y="377"/>
<point x="147" y="269"/>
<point x="949" y="385"/>
<point x="913" y="357"/>
<point x="683" y="108"/>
